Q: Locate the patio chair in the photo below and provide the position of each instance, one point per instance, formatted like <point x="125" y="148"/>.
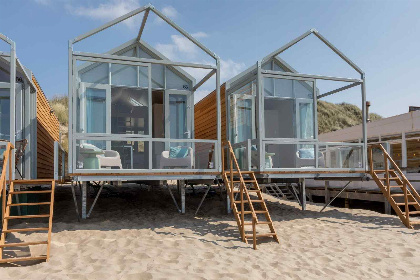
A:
<point x="181" y="157"/>
<point x="306" y="158"/>
<point x="95" y="158"/>
<point x="110" y="159"/>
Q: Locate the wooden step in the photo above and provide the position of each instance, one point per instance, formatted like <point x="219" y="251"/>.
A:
<point x="11" y="260"/>
<point x="259" y="223"/>
<point x="235" y="191"/>
<point x="246" y="201"/>
<point x="399" y="195"/>
<point x="241" y="172"/>
<point x="409" y="203"/>
<point x="414" y="212"/>
<point x="21" y="244"/>
<point x="22" y="192"/>
<point x="246" y="181"/>
<point x="390" y="178"/>
<point x="260" y="235"/>
<point x="30" y="203"/>
<point x="27" y="216"/>
<point x="250" y="212"/>
<point x="25" y="229"/>
<point x="383" y="171"/>
<point x="395" y="186"/>
<point x="33" y="182"/>
<point x="415" y="222"/>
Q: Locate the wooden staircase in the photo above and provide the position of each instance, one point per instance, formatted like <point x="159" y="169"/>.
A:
<point x="246" y="199"/>
<point x="397" y="189"/>
<point x="8" y="203"/>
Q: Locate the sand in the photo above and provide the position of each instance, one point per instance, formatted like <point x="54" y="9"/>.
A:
<point x="137" y="234"/>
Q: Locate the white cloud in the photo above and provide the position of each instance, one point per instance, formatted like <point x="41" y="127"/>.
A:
<point x="168" y="11"/>
<point x="200" y="34"/>
<point x="230" y="68"/>
<point x="107" y="11"/>
<point x="180" y="46"/>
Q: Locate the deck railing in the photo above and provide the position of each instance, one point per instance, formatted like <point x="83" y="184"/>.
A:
<point x="7" y="169"/>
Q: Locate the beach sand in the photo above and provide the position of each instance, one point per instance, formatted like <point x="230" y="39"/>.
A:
<point x="134" y="233"/>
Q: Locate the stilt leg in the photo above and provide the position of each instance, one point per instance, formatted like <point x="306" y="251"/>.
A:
<point x="202" y="200"/>
<point x="75" y="201"/>
<point x="387" y="207"/>
<point x="84" y="194"/>
<point x="327" y="192"/>
<point x="303" y="194"/>
<point x="173" y="198"/>
<point x="96" y="198"/>
<point x="182" y="185"/>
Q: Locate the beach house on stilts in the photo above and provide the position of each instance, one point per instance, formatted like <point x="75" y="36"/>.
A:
<point x="131" y="111"/>
<point x="29" y="135"/>
<point x="270" y="117"/>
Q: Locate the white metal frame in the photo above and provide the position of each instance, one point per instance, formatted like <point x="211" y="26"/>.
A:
<point x="135" y="61"/>
<point x="256" y="72"/>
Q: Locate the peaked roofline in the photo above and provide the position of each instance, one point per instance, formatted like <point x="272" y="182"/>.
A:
<point x="147" y="8"/>
<point x="320" y="37"/>
<point x="150" y="49"/>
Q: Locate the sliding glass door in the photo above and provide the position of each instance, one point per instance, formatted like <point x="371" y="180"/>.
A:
<point x="4" y="114"/>
<point x="95" y="111"/>
<point x="178" y="114"/>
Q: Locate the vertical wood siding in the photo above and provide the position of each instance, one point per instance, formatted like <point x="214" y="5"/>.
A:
<point x="47" y="133"/>
<point x="205" y="116"/>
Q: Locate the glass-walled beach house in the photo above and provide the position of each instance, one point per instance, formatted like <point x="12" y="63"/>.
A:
<point x="132" y="112"/>
<point x="26" y="118"/>
<point x="272" y="121"/>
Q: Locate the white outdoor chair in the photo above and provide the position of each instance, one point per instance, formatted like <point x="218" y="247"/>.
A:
<point x="110" y="159"/>
<point x="167" y="162"/>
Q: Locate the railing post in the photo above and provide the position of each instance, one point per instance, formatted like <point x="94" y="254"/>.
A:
<point x="254" y="232"/>
<point x="371" y="159"/>
<point x="407" y="215"/>
<point x="387" y="172"/>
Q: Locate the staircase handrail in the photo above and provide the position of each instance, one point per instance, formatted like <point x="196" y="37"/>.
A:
<point x="6" y="162"/>
<point x="242" y="182"/>
<point x="404" y="179"/>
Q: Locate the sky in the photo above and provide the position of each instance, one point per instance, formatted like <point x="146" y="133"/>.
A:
<point x="381" y="37"/>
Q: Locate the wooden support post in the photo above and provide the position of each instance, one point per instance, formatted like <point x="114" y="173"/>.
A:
<point x="84" y="202"/>
<point x="346" y="203"/>
<point x="387" y="207"/>
<point x="229" y="209"/>
<point x="327" y="192"/>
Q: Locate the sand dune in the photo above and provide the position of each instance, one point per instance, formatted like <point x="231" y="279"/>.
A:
<point x="137" y="234"/>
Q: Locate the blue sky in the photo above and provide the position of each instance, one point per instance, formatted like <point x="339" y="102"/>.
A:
<point x="381" y="37"/>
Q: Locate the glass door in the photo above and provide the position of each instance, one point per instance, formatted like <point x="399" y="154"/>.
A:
<point x="4" y="114"/>
<point x="95" y="112"/>
<point x="178" y="120"/>
<point x="305" y="119"/>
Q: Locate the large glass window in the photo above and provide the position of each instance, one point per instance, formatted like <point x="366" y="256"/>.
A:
<point x="5" y="114"/>
<point x="96" y="73"/>
<point x="288" y="108"/>
<point x="129" y="111"/>
<point x="242" y="114"/>
<point x="123" y="75"/>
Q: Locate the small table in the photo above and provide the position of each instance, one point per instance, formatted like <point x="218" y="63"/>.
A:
<point x="90" y="161"/>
